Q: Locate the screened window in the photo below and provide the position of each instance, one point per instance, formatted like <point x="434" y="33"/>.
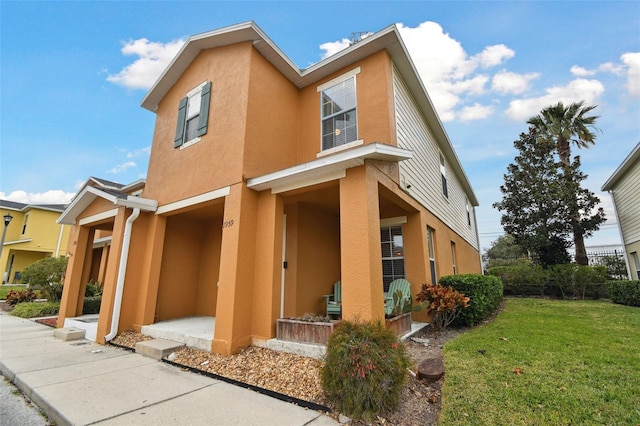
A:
<point x="432" y="254"/>
<point x="443" y="174"/>
<point x="193" y="116"/>
<point x="392" y="254"/>
<point x="453" y="258"/>
<point x="339" y="118"/>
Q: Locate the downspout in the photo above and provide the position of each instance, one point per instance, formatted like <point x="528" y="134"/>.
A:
<point x="122" y="270"/>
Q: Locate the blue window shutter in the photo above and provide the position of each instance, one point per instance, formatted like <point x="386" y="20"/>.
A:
<point x="204" y="109"/>
<point x="182" y="116"/>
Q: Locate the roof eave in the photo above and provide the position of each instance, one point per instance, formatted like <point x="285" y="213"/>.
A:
<point x="622" y="169"/>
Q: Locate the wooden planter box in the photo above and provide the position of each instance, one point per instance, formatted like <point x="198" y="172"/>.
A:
<point x="400" y="324"/>
<point x="304" y="332"/>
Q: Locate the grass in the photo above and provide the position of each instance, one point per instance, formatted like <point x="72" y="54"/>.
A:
<point x="546" y="362"/>
<point x="4" y="289"/>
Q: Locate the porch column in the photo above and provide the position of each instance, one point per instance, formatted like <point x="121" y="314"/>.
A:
<point x="111" y="276"/>
<point x="80" y="247"/>
<point x="268" y="264"/>
<point x="234" y="308"/>
<point x="416" y="255"/>
<point x="361" y="261"/>
<point x="150" y="281"/>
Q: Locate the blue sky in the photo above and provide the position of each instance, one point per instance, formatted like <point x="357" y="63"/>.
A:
<point x="73" y="74"/>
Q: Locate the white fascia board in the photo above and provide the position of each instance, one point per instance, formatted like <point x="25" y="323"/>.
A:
<point x="144" y="204"/>
<point x="81" y="202"/>
<point x="98" y="217"/>
<point x="26" y="240"/>
<point x="191" y="201"/>
<point x="633" y="156"/>
<point x="342" y="160"/>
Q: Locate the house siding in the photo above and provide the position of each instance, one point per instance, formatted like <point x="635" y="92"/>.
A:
<point x="627" y="199"/>
<point x="422" y="172"/>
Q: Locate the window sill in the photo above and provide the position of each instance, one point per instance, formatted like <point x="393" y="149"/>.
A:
<point x="189" y="143"/>
<point x="340" y="148"/>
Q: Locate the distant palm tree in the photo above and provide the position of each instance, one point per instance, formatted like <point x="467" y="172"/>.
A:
<point x="563" y="126"/>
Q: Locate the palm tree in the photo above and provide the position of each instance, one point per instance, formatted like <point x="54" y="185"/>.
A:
<point x="565" y="126"/>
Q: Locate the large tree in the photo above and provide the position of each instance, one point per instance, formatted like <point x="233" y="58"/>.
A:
<point x="533" y="206"/>
<point x="563" y="126"/>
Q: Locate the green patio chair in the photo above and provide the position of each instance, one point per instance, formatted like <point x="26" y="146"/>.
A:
<point x="404" y="287"/>
<point x="334" y="300"/>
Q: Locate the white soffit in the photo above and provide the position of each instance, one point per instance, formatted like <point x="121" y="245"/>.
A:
<point x="326" y="168"/>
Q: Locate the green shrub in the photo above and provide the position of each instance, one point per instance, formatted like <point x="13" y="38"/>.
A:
<point x="522" y="280"/>
<point x="52" y="291"/>
<point x="91" y="305"/>
<point x="484" y="291"/>
<point x="45" y="271"/>
<point x="443" y="304"/>
<point x="35" y="309"/>
<point x="624" y="292"/>
<point x="92" y="289"/>
<point x="572" y="281"/>
<point x="365" y="369"/>
<point x="16" y="297"/>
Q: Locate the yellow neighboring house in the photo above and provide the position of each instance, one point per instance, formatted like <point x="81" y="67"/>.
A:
<point x="32" y="234"/>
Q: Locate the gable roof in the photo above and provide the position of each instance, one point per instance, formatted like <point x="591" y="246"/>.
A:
<point x="23" y="207"/>
<point x="623" y="168"/>
<point x="111" y="191"/>
<point x="388" y="39"/>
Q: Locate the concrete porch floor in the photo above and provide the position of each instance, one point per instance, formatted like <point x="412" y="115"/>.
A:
<point x="196" y="332"/>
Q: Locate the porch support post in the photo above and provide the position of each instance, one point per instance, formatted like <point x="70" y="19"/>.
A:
<point x="109" y="285"/>
<point x="361" y="262"/>
<point x="268" y="263"/>
<point x="234" y="309"/>
<point x="416" y="255"/>
<point x="80" y="247"/>
<point x="151" y="271"/>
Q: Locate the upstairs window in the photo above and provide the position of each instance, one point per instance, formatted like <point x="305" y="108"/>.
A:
<point x="339" y="111"/>
<point x="443" y="174"/>
<point x="193" y="116"/>
<point x="24" y="224"/>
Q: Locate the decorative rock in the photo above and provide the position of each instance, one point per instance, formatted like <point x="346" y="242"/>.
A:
<point x="420" y="340"/>
<point x="431" y="369"/>
<point x="344" y="420"/>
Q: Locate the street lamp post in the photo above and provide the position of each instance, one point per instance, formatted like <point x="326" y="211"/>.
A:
<point x="7" y="220"/>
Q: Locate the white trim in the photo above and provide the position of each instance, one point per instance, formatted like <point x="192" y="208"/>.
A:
<point x="102" y="242"/>
<point x="309" y="182"/>
<point x="284" y="259"/>
<point x="57" y="253"/>
<point x="188" y="202"/>
<point x="190" y="142"/>
<point x="393" y="221"/>
<point x="26" y="240"/>
<point x="98" y="217"/>
<point x="344" y="77"/>
<point x="339" y="148"/>
<point x="314" y="170"/>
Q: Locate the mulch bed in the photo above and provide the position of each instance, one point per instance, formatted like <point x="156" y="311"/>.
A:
<point x="51" y="321"/>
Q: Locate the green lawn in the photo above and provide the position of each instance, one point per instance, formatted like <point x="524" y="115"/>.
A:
<point x="4" y="289"/>
<point x="546" y="362"/>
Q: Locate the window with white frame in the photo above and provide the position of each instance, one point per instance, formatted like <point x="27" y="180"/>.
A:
<point x="636" y="261"/>
<point x="392" y="254"/>
<point x="24" y="224"/>
<point x="468" y="212"/>
<point x="443" y="174"/>
<point x="453" y="258"/>
<point x="432" y="254"/>
<point x="339" y="111"/>
<point x="193" y="116"/>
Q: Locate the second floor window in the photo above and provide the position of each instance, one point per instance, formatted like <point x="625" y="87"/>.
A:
<point x="193" y="115"/>
<point x="443" y="174"/>
<point x="339" y="118"/>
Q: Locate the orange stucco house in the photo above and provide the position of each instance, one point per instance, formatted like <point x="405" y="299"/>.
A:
<point x="268" y="183"/>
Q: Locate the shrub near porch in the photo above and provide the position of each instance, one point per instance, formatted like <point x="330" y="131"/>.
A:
<point x="546" y="362"/>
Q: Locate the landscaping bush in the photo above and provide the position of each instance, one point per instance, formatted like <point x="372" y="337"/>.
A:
<point x="572" y="281"/>
<point x="624" y="292"/>
<point x="484" y="293"/>
<point x="522" y="280"/>
<point x="92" y="289"/>
<point x="91" y="305"/>
<point x="443" y="304"/>
<point x="365" y="369"/>
<point x="16" y="297"/>
<point x="35" y="309"/>
<point x="45" y="271"/>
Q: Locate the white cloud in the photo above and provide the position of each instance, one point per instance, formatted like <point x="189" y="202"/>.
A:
<point x="581" y="72"/>
<point x="632" y="61"/>
<point x="577" y="90"/>
<point x="153" y="58"/>
<point x="475" y="112"/>
<point x="333" y="47"/>
<point x="121" y="168"/>
<point x="52" y="196"/>
<point x="138" y="152"/>
<point x="512" y="83"/>
<point x="494" y="55"/>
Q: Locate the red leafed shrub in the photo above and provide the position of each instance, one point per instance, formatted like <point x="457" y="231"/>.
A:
<point x="15" y="297"/>
<point x="442" y="303"/>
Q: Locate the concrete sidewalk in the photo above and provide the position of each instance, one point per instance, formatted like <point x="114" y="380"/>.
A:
<point x="80" y="383"/>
